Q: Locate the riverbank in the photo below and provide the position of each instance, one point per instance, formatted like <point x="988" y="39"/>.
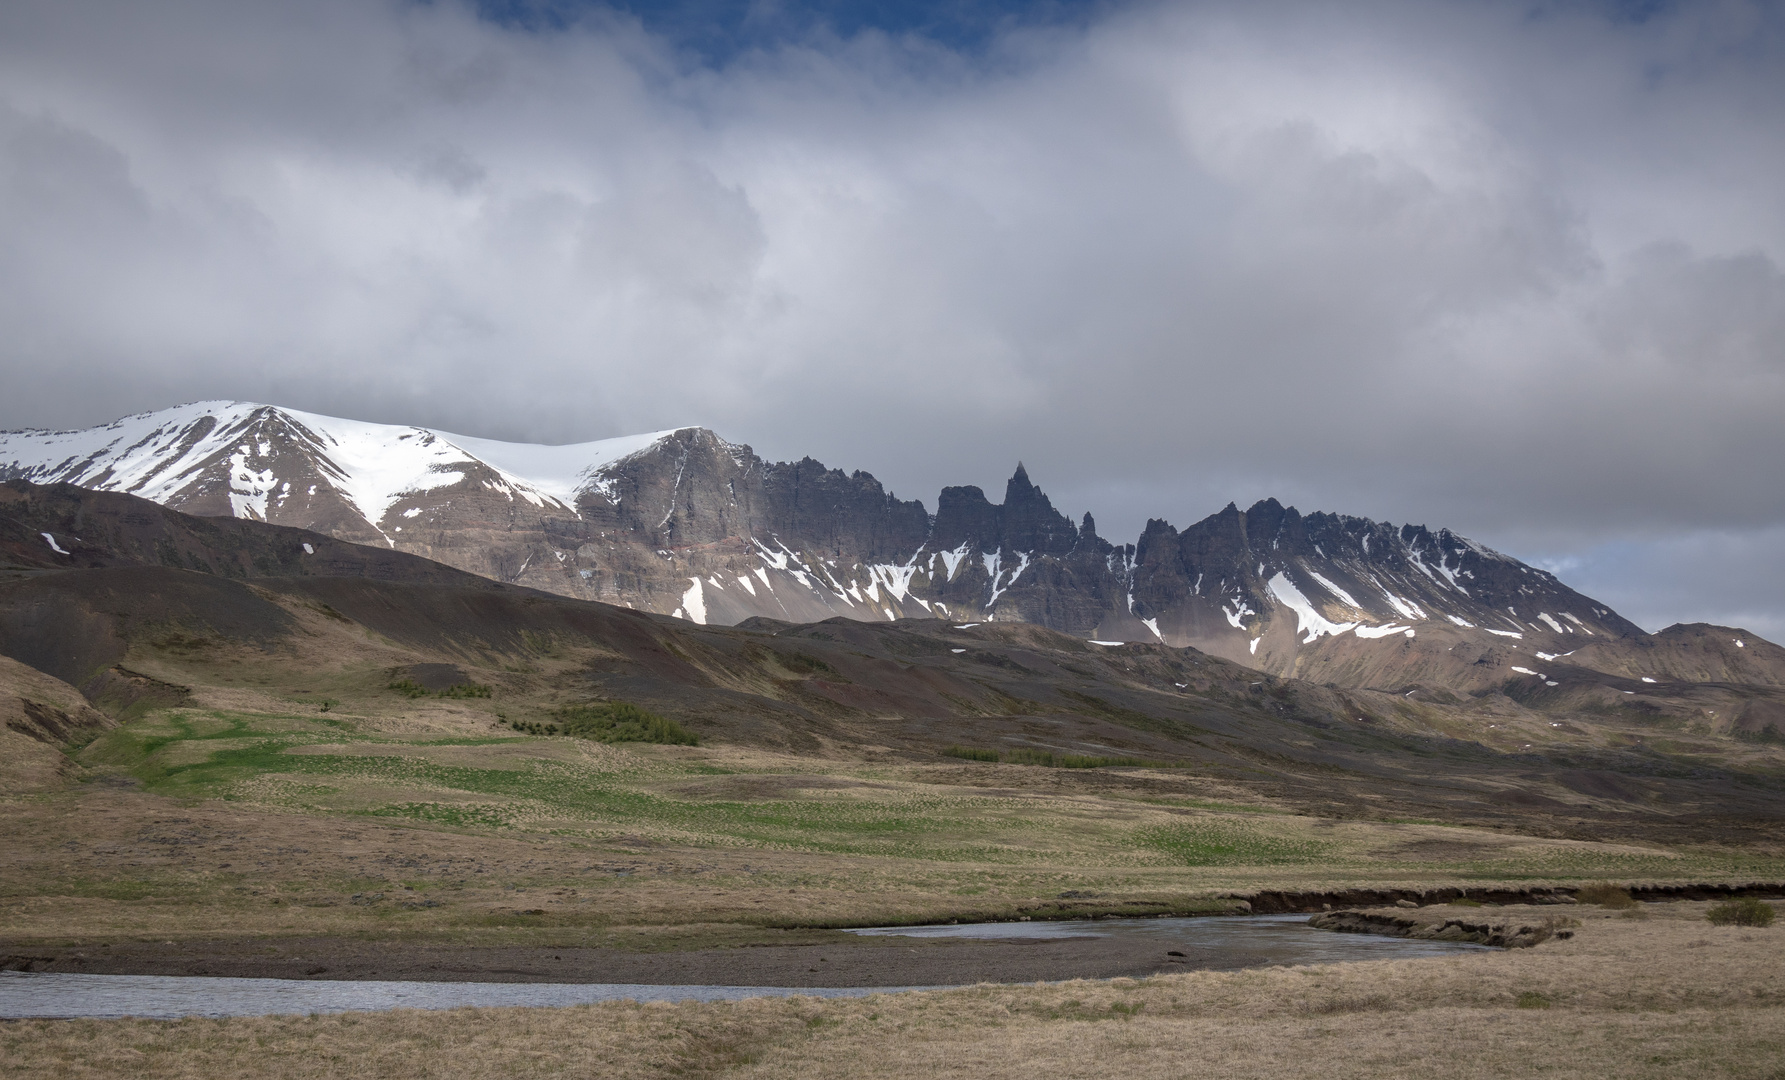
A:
<point x="947" y="955"/>
<point x="1667" y="996"/>
<point x="1517" y="929"/>
<point x="1055" y="951"/>
<point x="845" y="961"/>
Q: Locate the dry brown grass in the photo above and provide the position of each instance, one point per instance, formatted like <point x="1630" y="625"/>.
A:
<point x="1605" y="894"/>
<point x="1666" y="997"/>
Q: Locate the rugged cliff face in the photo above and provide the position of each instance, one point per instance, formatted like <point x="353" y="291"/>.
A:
<point x="682" y="522"/>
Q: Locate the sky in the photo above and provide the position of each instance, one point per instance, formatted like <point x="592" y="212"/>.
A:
<point x="1510" y="268"/>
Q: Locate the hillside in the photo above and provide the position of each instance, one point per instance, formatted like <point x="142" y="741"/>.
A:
<point x="154" y="606"/>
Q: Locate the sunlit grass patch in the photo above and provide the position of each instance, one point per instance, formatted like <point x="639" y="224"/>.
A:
<point x="225" y="757"/>
<point x="1217" y="841"/>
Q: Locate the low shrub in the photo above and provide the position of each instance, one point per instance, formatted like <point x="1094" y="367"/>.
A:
<point x="1531" y="999"/>
<point x="1605" y="894"/>
<point x="970" y="753"/>
<point x="620" y="721"/>
<point x="1052" y="760"/>
<point x="804" y="664"/>
<point x="1769" y="734"/>
<point x="1045" y="758"/>
<point x="1745" y="911"/>
<point x="409" y="688"/>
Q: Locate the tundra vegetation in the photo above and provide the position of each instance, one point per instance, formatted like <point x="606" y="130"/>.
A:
<point x="436" y="760"/>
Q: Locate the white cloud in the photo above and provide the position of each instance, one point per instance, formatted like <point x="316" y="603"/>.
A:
<point x="1512" y="269"/>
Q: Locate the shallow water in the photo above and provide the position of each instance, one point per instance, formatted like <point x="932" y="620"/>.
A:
<point x="1218" y="942"/>
<point x="1259" y="940"/>
<point x="27" y="995"/>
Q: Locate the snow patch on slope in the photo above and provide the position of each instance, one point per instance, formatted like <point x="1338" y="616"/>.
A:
<point x="1381" y="631"/>
<point x="1308" y="620"/>
<point x="694" y="603"/>
<point x="1335" y="590"/>
<point x="561" y="472"/>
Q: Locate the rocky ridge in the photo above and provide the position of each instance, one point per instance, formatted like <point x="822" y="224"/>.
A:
<point x="683" y="522"/>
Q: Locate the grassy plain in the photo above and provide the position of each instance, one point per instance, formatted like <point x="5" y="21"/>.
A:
<point x="1665" y="995"/>
<point x="434" y="819"/>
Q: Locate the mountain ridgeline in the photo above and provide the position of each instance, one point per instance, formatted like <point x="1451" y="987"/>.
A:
<point x="682" y="522"/>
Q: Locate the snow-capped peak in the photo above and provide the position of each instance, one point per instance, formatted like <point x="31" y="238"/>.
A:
<point x="195" y="453"/>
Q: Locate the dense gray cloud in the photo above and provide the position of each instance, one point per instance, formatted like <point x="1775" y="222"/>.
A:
<point x="1511" y="268"/>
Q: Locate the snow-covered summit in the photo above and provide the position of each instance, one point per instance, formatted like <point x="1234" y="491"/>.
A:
<point x="265" y="462"/>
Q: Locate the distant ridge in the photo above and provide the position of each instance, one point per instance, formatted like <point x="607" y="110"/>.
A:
<point x="683" y="522"/>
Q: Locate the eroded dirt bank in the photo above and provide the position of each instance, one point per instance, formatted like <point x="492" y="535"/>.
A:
<point x="1279" y="902"/>
<point x="1519" y="929"/>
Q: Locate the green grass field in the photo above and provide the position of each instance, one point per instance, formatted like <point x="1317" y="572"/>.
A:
<point x="639" y="835"/>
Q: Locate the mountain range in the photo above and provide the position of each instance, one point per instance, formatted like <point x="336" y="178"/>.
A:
<point x="685" y="523"/>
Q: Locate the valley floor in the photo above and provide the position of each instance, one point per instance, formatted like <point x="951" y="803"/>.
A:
<point x="1659" y="995"/>
<point x="236" y="827"/>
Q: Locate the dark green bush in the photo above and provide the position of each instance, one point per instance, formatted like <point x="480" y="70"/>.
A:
<point x="1045" y="758"/>
<point x="1052" y="760"/>
<point x="409" y="688"/>
<point x="1531" y="999"/>
<point x="804" y="663"/>
<point x="1746" y="911"/>
<point x="971" y="753"/>
<point x="620" y="721"/>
